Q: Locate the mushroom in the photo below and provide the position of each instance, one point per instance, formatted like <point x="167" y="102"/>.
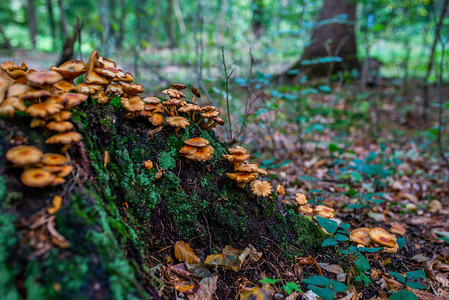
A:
<point x="35" y="94"/>
<point x="43" y="79"/>
<point x="177" y="122"/>
<point x="178" y="86"/>
<point x="11" y="66"/>
<point x="24" y="155"/>
<point x="91" y="76"/>
<point x="37" y="122"/>
<point x="280" y="190"/>
<point x="35" y="177"/>
<point x="196" y="94"/>
<point x="101" y="97"/>
<point x="151" y="100"/>
<point x="324" y="211"/>
<point x="156" y="119"/>
<point x="202" y="154"/>
<point x="61" y="116"/>
<point x="197" y="142"/>
<point x="63" y="86"/>
<point x="249" y="168"/>
<point x="132" y="89"/>
<point x="261" y="188"/>
<point x="109" y="72"/>
<point x="360" y="236"/>
<point x="114" y="89"/>
<point x="54" y="159"/>
<point x="128" y="78"/>
<point x="10" y="105"/>
<point x="237" y="150"/>
<point x="148" y="164"/>
<point x="190" y="110"/>
<point x="18" y="90"/>
<point x="4" y="85"/>
<point x="61" y="126"/>
<point x="70" y="69"/>
<point x="215" y="121"/>
<point x="237" y="159"/>
<point x="133" y="104"/>
<point x="44" y="109"/>
<point x="66" y="170"/>
<point x="16" y="74"/>
<point x="188" y="150"/>
<point x="73" y="99"/>
<point x="174" y="94"/>
<point x="301" y="199"/>
<point x="171" y="106"/>
<point x="208" y="115"/>
<point x="305" y="209"/>
<point x="242" y="178"/>
<point x="88" y="89"/>
<point x="382" y="237"/>
<point x="64" y="138"/>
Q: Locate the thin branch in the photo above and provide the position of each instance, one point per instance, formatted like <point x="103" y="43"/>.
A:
<point x="227" y="91"/>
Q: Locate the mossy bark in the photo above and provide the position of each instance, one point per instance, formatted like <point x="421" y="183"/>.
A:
<point x="120" y="220"/>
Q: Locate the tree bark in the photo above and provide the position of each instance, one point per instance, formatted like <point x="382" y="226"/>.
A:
<point x="64" y="30"/>
<point x="333" y="36"/>
<point x="32" y="24"/>
<point x="425" y="104"/>
<point x="51" y="22"/>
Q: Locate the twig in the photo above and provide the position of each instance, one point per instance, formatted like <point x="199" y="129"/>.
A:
<point x="165" y="248"/>
<point x="227" y="91"/>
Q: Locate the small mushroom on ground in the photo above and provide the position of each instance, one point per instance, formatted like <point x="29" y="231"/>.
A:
<point x="261" y="188"/>
<point x="300" y="199"/>
<point x="177" y="122"/>
<point x="35" y="177"/>
<point x="382" y="237"/>
<point x="24" y="155"/>
<point x="148" y="164"/>
<point x="197" y="142"/>
<point x="324" y="211"/>
<point x="202" y="154"/>
<point x="197" y="149"/>
<point x="156" y="119"/>
<point x="54" y="159"/>
<point x="280" y="190"/>
<point x="360" y="236"/>
<point x="133" y="104"/>
<point x="242" y="178"/>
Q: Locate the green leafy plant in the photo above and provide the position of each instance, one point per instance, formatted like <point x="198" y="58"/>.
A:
<point x="336" y="234"/>
<point x="403" y="295"/>
<point x="325" y="287"/>
<point x="410" y="278"/>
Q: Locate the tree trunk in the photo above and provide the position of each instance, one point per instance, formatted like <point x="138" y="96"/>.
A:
<point x="51" y="22"/>
<point x="332" y="37"/>
<point x="257" y="24"/>
<point x="64" y="29"/>
<point x="121" y="26"/>
<point x="32" y="24"/>
<point x="169" y="20"/>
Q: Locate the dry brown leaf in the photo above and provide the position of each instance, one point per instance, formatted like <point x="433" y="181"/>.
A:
<point x="56" y="237"/>
<point x="230" y="258"/>
<point x="335" y="269"/>
<point x="207" y="288"/>
<point x="398" y="228"/>
<point x="254" y="255"/>
<point x="264" y="293"/>
<point x="185" y="253"/>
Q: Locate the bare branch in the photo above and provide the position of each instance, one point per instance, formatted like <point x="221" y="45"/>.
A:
<point x="227" y="76"/>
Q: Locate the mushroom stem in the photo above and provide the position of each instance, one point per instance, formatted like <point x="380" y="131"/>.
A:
<point x="65" y="148"/>
<point x="177" y="131"/>
<point x="241" y="185"/>
<point x="193" y="99"/>
<point x="193" y="116"/>
<point x="207" y="123"/>
<point x="210" y="126"/>
<point x="236" y="165"/>
<point x="199" y="121"/>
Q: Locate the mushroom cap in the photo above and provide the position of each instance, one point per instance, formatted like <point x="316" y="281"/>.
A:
<point x="195" y="92"/>
<point x="382" y="237"/>
<point x="133" y="104"/>
<point x="262" y="172"/>
<point x="100" y="96"/>
<point x="304" y="209"/>
<point x="247" y="168"/>
<point x="44" y="109"/>
<point x="210" y="114"/>
<point x="132" y="89"/>
<point x="151" y="100"/>
<point x="52" y="168"/>
<point x="35" y="177"/>
<point x="236" y="157"/>
<point x="57" y="180"/>
<point x="9" y="65"/>
<point x="202" y="154"/>
<point x="109" y="72"/>
<point x="24" y="155"/>
<point x="54" y="159"/>
<point x="10" y="105"/>
<point x="261" y="188"/>
<point x="280" y="189"/>
<point x="188" y="150"/>
<point x="171" y="102"/>
<point x="85" y="88"/>
<point x="61" y="116"/>
<point x="390" y="250"/>
<point x="208" y="108"/>
<point x="189" y="107"/>
<point x="177" y="121"/>
<point x="106" y="63"/>
<point x="63" y="86"/>
<point x="114" y="89"/>
<point x="301" y="199"/>
<point x="360" y="236"/>
<point x="17" y="90"/>
<point x="324" y="211"/>
<point x="62" y="126"/>
<point x="156" y="119"/>
<point x="128" y="78"/>
<point x="43" y="78"/>
<point x="35" y="94"/>
<point x="237" y="150"/>
<point x="73" y="99"/>
<point x="37" y="122"/>
<point x="64" y="138"/>
<point x="148" y="164"/>
<point x="91" y="76"/>
<point x="242" y="177"/>
<point x="56" y="99"/>
<point x="197" y="142"/>
<point x="70" y="69"/>
<point x="172" y="93"/>
<point x="178" y="86"/>
<point x="66" y="170"/>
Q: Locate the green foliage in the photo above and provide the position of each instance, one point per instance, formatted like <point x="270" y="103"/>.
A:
<point x="324" y="287"/>
<point x="410" y="278"/>
<point x="403" y="295"/>
<point x="8" y="239"/>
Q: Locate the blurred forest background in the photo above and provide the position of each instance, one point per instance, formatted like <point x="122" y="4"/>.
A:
<point x="264" y="47"/>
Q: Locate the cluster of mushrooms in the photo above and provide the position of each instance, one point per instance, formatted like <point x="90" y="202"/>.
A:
<point x="197" y="149"/>
<point x="373" y="237"/>
<point x="40" y="169"/>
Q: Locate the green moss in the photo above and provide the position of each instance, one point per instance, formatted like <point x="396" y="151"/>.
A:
<point x="8" y="240"/>
<point x="167" y="160"/>
<point x="2" y="188"/>
<point x="80" y="118"/>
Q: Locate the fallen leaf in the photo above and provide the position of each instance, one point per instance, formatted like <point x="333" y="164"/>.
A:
<point x="207" y="288"/>
<point x="398" y="228"/>
<point x="230" y="258"/>
<point x="185" y="253"/>
<point x="254" y="255"/>
<point x="198" y="270"/>
<point x="420" y="258"/>
<point x="187" y="287"/>
<point x="335" y="269"/>
<point x="435" y="206"/>
<point x="257" y="293"/>
<point x="377" y="217"/>
<point x="56" y="237"/>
